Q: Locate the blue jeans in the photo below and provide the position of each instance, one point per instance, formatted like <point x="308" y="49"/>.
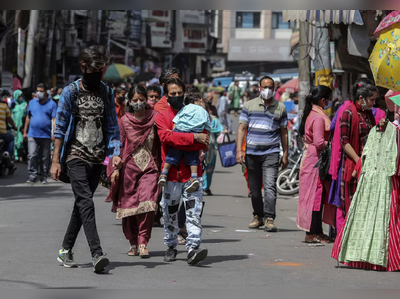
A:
<point x="174" y="155"/>
<point x="263" y="169"/>
<point x="208" y="173"/>
<point x="193" y="203"/>
<point x="9" y="143"/>
<point x="38" y="158"/>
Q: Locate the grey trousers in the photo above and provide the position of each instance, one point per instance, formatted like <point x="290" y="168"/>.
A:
<point x="263" y="169"/>
<point x="38" y="158"/>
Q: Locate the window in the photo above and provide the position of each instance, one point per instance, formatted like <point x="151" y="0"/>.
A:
<point x="277" y="22"/>
<point x="248" y="19"/>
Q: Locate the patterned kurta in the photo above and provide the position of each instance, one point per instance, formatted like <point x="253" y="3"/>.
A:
<point x="366" y="233"/>
<point x="139" y="189"/>
<point x="345" y="129"/>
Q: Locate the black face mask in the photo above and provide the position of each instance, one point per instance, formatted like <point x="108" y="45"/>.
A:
<point x="92" y="81"/>
<point x="296" y="102"/>
<point x="176" y="102"/>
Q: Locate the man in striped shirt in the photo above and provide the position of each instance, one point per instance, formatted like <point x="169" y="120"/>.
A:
<point x="265" y="121"/>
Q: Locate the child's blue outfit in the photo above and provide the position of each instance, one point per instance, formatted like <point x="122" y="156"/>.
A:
<point x="190" y="119"/>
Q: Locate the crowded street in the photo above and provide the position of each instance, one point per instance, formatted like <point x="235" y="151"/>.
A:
<point x="199" y="149"/>
<point x="32" y="220"/>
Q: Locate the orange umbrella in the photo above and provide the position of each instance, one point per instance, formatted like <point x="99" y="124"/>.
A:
<point x="290" y="86"/>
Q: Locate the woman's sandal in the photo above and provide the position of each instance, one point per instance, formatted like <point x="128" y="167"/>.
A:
<point x="316" y="240"/>
<point x="326" y="238"/>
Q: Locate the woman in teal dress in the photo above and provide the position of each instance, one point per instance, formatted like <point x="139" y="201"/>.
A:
<point x="235" y="93"/>
<point x="18" y="115"/>
<point x="211" y="156"/>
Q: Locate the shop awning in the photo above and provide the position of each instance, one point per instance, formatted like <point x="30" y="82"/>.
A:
<point x="327" y="16"/>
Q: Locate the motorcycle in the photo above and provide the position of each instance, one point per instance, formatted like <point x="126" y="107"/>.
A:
<point x="5" y="159"/>
<point x="288" y="179"/>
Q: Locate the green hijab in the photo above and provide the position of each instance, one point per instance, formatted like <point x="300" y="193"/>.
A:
<point x="17" y="97"/>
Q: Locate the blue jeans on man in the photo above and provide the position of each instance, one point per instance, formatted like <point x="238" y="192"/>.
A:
<point x="38" y="158"/>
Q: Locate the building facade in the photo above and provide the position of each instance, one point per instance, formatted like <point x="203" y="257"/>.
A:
<point x="256" y="41"/>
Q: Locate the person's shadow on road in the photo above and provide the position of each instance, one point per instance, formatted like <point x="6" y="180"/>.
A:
<point x="211" y="260"/>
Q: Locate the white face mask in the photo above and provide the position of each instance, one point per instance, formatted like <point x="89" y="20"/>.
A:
<point x="267" y="93"/>
<point x="40" y="95"/>
<point x="364" y="105"/>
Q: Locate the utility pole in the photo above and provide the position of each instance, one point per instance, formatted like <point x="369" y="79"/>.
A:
<point x="304" y="67"/>
<point x="208" y="50"/>
<point x="323" y="69"/>
<point x="127" y="34"/>
<point x="49" y="45"/>
<point x="30" y="48"/>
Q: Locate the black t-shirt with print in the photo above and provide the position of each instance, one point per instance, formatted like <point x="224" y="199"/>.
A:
<point x="88" y="141"/>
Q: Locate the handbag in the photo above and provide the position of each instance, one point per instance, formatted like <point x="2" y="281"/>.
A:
<point x="227" y="152"/>
<point x="324" y="161"/>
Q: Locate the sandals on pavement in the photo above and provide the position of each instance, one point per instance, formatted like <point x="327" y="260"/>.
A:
<point x="315" y="239"/>
<point x="326" y="238"/>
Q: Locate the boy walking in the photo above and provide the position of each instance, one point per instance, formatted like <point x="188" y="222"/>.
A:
<point x="86" y="132"/>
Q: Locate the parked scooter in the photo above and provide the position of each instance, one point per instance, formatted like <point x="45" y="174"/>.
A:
<point x="288" y="179"/>
<point x="5" y="160"/>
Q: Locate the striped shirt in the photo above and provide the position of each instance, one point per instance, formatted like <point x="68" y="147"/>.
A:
<point x="4" y="113"/>
<point x="263" y="126"/>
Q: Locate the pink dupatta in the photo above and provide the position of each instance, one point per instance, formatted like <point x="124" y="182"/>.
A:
<point x="336" y="151"/>
<point x="134" y="133"/>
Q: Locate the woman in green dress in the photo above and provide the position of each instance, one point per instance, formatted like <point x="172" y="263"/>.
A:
<point x="235" y="94"/>
<point x="19" y="114"/>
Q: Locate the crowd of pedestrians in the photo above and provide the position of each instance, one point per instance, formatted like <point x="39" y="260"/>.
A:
<point x="158" y="145"/>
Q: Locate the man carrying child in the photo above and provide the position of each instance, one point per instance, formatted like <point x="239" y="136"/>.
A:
<point x="178" y="180"/>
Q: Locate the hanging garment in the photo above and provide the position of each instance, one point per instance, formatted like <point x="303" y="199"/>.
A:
<point x="370" y="237"/>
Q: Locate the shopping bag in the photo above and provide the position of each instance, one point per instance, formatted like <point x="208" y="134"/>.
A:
<point x="227" y="153"/>
<point x="222" y="138"/>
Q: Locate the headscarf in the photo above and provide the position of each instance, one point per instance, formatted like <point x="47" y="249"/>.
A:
<point x="17" y="97"/>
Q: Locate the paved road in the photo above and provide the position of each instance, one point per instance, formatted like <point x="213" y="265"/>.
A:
<point x="33" y="221"/>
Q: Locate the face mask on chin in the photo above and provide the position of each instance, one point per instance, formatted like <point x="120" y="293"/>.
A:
<point x="176" y="102"/>
<point x="151" y="103"/>
<point x="91" y="81"/>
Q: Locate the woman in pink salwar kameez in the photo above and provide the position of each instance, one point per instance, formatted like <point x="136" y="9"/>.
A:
<point x="134" y="189"/>
<point x="313" y="193"/>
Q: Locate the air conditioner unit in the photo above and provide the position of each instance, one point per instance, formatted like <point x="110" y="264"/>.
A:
<point x="71" y="36"/>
